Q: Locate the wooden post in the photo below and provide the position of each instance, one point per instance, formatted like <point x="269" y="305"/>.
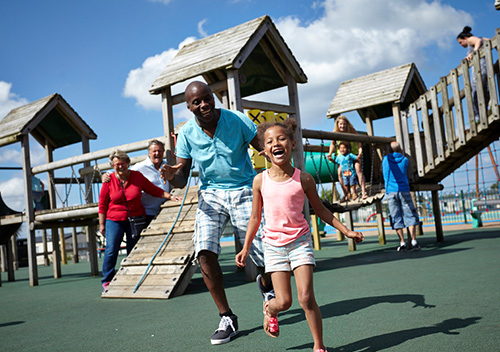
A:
<point x="74" y="237"/>
<point x="62" y="243"/>
<point x="349" y="224"/>
<point x="56" y="253"/>
<point x="94" y="268"/>
<point x="437" y="216"/>
<point x="92" y="248"/>
<point x="168" y="122"/>
<point x="15" y="258"/>
<point x="340" y="235"/>
<point x="315" y="232"/>
<point x="380" y="222"/>
<point x="233" y="88"/>
<point x="30" y="212"/>
<point x="46" y="260"/>
<point x="50" y="176"/>
<point x="397" y="124"/>
<point x="10" y="261"/>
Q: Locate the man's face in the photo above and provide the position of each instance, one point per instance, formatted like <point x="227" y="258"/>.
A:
<point x="155" y="154"/>
<point x="200" y="101"/>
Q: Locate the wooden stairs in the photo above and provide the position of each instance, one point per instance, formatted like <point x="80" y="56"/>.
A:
<point x="173" y="267"/>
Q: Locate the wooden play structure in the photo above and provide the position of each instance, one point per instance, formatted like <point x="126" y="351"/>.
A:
<point x="237" y="63"/>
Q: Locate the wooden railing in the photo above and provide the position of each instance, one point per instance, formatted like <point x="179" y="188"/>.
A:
<point x="442" y="119"/>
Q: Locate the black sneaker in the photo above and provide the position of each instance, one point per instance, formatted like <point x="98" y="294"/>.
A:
<point x="266" y="295"/>
<point x="228" y="328"/>
<point x="415" y="247"/>
<point x="402" y="248"/>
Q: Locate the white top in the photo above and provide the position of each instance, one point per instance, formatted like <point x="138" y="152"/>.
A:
<point x="150" y="203"/>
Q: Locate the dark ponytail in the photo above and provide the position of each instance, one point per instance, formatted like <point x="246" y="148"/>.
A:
<point x="465" y="33"/>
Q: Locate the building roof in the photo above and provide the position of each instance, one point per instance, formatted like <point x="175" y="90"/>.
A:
<point x="402" y="84"/>
<point x="49" y="119"/>
<point x="255" y="48"/>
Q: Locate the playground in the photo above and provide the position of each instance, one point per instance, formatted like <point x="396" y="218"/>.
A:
<point x="441" y="298"/>
<point x="403" y="297"/>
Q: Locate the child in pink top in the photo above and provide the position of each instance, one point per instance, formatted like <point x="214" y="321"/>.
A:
<point x="281" y="191"/>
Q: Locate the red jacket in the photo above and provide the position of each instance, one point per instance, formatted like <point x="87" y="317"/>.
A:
<point x="111" y="200"/>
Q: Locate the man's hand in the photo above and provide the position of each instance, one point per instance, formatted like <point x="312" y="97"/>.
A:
<point x="167" y="172"/>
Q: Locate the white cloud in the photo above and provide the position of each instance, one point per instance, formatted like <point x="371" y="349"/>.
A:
<point x="350" y="39"/>
<point x="357" y="37"/>
<point x="201" y="31"/>
<point x="140" y="79"/>
<point x="8" y="100"/>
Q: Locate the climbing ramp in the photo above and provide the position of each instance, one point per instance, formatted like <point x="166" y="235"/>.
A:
<point x="171" y="270"/>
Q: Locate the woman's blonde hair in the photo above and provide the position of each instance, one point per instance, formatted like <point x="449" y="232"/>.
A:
<point x="119" y="154"/>
<point x="350" y="128"/>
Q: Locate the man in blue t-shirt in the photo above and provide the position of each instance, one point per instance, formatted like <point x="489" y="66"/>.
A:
<point x="397" y="193"/>
<point x="217" y="140"/>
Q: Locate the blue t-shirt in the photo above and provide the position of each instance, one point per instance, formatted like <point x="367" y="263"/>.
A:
<point x="346" y="162"/>
<point x="223" y="161"/>
<point x="394" y="167"/>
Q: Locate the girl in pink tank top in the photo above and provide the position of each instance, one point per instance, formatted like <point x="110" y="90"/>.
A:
<point x="281" y="192"/>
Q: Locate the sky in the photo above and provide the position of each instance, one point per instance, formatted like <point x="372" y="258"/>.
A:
<point x="103" y="55"/>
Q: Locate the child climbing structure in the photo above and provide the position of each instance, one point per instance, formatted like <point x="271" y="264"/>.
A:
<point x="435" y="126"/>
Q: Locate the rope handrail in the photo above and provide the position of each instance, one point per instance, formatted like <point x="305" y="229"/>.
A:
<point x="168" y="234"/>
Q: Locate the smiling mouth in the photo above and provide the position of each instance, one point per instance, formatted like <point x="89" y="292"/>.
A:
<point x="278" y="152"/>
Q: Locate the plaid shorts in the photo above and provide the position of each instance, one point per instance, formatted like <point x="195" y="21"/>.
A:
<point x="290" y="256"/>
<point x="215" y="208"/>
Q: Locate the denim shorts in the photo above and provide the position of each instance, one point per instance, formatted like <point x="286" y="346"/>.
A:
<point x="290" y="256"/>
<point x="215" y="208"/>
<point x="350" y="180"/>
<point x="402" y="209"/>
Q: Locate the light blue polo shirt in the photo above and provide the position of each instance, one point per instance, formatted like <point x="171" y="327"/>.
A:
<point x="223" y="161"/>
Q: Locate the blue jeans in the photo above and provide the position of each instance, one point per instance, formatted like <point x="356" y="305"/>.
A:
<point x="114" y="237"/>
<point x="402" y="209"/>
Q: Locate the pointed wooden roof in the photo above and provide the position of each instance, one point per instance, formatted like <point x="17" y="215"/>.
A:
<point x="378" y="91"/>
<point x="255" y="48"/>
<point x="49" y="119"/>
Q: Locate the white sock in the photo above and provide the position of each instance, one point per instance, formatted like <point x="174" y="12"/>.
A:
<point x="402" y="243"/>
<point x="413" y="242"/>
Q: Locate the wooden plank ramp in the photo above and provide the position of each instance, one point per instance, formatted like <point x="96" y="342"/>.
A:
<point x="172" y="269"/>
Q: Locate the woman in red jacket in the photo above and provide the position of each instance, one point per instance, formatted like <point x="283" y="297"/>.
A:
<point x="124" y="190"/>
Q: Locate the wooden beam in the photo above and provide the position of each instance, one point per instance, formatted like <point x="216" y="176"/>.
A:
<point x="314" y="134"/>
<point x="264" y="106"/>
<point x="436" y="209"/>
<point x="457" y="102"/>
<point x="168" y="123"/>
<point x="468" y="97"/>
<point x="438" y="125"/>
<point x="233" y="88"/>
<point x="30" y="213"/>
<point x="428" y="139"/>
<point x="103" y="153"/>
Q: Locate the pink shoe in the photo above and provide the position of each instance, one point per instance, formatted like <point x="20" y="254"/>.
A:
<point x="320" y="350"/>
<point x="105" y="286"/>
<point x="272" y="327"/>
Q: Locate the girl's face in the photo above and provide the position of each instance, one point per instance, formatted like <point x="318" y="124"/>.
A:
<point x="342" y="125"/>
<point x="278" y="146"/>
<point x="462" y="42"/>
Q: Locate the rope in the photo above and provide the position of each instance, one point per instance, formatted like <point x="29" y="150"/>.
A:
<point x="168" y="234"/>
<point x="65" y="200"/>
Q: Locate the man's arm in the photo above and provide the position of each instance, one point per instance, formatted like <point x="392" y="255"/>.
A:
<point x="177" y="175"/>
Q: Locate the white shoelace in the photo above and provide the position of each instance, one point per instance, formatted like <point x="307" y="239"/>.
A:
<point x="225" y="322"/>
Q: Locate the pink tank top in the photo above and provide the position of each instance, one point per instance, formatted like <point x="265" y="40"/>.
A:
<point x="283" y="204"/>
